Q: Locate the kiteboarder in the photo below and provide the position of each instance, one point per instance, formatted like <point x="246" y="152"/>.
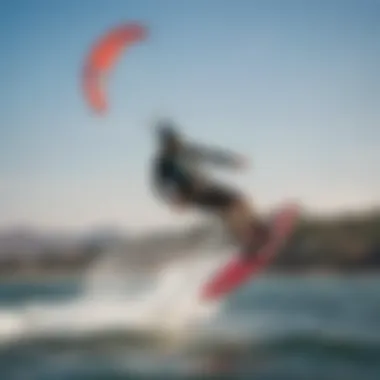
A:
<point x="179" y="179"/>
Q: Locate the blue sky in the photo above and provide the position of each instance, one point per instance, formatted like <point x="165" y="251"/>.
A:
<point x="294" y="85"/>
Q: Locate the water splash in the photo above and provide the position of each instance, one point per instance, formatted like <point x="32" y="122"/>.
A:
<point x="165" y="301"/>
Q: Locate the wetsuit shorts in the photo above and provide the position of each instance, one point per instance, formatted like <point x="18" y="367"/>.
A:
<point x="214" y="197"/>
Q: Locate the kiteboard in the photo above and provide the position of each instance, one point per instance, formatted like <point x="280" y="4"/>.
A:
<point x="240" y="269"/>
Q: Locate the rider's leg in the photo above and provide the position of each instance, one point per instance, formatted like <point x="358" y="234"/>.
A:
<point x="235" y="211"/>
<point x="245" y="225"/>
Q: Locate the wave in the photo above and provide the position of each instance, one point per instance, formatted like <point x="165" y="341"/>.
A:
<point x="91" y="324"/>
<point x="162" y="303"/>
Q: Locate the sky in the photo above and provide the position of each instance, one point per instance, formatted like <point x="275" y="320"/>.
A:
<point x="293" y="85"/>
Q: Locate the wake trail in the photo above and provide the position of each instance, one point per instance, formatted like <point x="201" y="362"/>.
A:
<point x="163" y="301"/>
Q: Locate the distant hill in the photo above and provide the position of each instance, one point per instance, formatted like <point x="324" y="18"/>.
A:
<point x="343" y="242"/>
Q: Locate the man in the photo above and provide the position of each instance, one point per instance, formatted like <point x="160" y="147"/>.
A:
<point x="178" y="178"/>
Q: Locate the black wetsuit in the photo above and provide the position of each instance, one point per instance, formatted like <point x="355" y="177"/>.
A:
<point x="179" y="173"/>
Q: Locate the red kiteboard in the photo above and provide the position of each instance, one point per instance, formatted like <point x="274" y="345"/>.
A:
<point x="238" y="270"/>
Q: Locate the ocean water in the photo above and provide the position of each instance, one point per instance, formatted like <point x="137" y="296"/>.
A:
<point x="276" y="327"/>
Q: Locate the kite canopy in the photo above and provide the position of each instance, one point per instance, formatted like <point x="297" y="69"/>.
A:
<point x="102" y="58"/>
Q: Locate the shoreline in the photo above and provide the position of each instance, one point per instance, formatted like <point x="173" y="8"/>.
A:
<point x="74" y="277"/>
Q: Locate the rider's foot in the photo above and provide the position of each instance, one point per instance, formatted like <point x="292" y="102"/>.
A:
<point x="259" y="238"/>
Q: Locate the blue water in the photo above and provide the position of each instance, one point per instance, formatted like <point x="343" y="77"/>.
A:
<point x="278" y="327"/>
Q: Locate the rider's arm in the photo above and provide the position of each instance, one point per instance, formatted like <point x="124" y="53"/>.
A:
<point x="215" y="156"/>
